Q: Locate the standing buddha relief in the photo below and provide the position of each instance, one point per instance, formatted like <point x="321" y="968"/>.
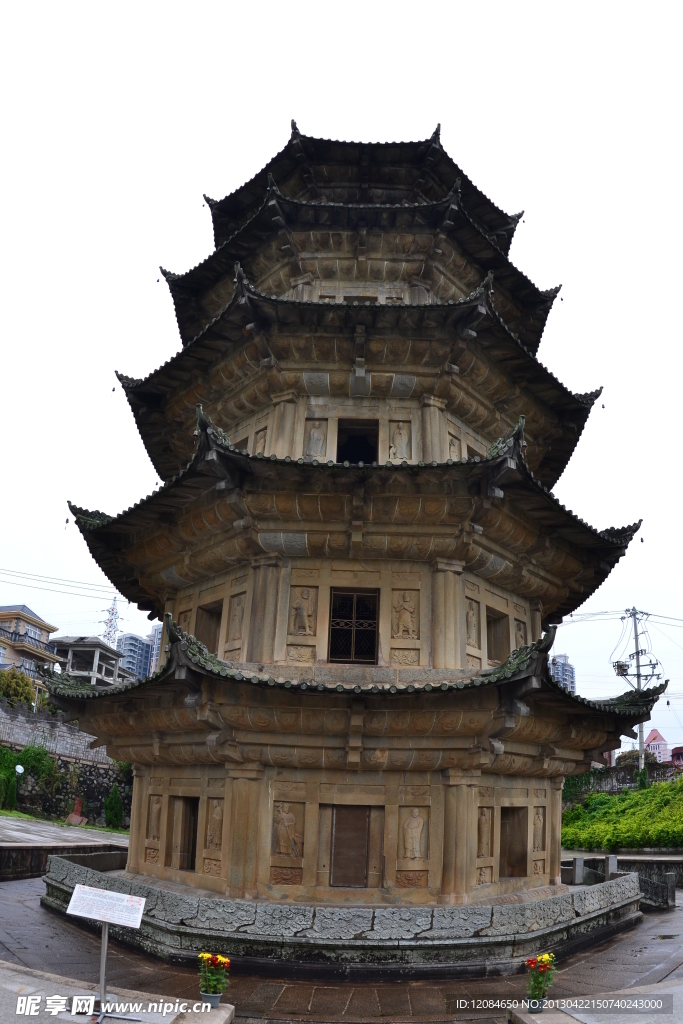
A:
<point x="413" y="828"/>
<point x="236" y="617"/>
<point x="539" y="823"/>
<point x="520" y="634"/>
<point x="405" y="614"/>
<point x="288" y="841"/>
<point x="315" y="445"/>
<point x="399" y="440"/>
<point x="472" y="624"/>
<point x="154" y="822"/>
<point x="484" y="832"/>
<point x="214" y="824"/>
<point x="303" y="611"/>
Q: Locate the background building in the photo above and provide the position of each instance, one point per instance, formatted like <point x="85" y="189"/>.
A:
<point x="657" y="745"/>
<point x="137" y="654"/>
<point x="24" y="639"/>
<point x="89" y="656"/>
<point x="155" y="640"/>
<point x="562" y="672"/>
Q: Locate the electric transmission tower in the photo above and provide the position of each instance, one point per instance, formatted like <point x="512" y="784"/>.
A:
<point x="111" y="624"/>
<point x="644" y="672"/>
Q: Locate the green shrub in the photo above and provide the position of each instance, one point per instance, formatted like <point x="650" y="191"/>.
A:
<point x="632" y="819"/>
<point x="16" y="687"/>
<point x="11" y="797"/>
<point x="113" y="808"/>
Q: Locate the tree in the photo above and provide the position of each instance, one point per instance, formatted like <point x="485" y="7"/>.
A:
<point x="16" y="686"/>
<point x="113" y="808"/>
<point x="629" y="759"/>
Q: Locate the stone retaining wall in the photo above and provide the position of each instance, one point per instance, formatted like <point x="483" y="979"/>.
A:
<point x="466" y="940"/>
<point x="92" y="782"/>
<point x="20" y="727"/>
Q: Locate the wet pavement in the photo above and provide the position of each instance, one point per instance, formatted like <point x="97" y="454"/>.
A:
<point x="26" y="832"/>
<point x="34" y="937"/>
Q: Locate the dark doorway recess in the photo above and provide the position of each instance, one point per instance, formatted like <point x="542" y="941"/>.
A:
<point x="513" y="841"/>
<point x="353" y="626"/>
<point x="350" y="828"/>
<point x="181" y="842"/>
<point x="208" y="625"/>
<point x="357" y="441"/>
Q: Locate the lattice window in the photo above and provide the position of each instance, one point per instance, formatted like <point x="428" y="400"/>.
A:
<point x="353" y="626"/>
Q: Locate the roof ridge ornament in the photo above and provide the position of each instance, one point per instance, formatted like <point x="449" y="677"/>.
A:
<point x="205" y="425"/>
<point x="513" y="439"/>
<point x="295" y="130"/>
<point x="435" y="137"/>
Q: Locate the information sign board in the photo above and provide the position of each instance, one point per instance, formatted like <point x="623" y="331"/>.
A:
<point x="104" y="905"/>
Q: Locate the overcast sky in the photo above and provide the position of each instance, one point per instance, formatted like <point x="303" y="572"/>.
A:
<point x="118" y="118"/>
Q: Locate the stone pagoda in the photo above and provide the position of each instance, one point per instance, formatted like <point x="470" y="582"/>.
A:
<point x="356" y="552"/>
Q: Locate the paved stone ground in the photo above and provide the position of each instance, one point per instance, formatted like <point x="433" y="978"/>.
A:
<point x="31" y="936"/>
<point x="25" y="832"/>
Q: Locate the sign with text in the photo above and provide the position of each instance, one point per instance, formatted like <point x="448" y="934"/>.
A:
<point x="103" y="905"/>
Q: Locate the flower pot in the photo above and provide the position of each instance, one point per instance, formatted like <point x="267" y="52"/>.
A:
<point x="211" y="997"/>
<point x="536" y="1005"/>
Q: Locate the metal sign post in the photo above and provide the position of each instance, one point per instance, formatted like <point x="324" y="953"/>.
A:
<point x="108" y="908"/>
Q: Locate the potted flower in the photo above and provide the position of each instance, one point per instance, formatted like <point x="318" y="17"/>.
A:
<point x="213" y="977"/>
<point x="540" y="970"/>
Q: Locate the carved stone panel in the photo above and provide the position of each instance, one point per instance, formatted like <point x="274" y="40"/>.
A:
<point x="405" y="656"/>
<point x="303" y="611"/>
<point x="184" y="619"/>
<point x="214" y="824"/>
<point x="154" y="818"/>
<point x="260" y="441"/>
<point x="212" y="867"/>
<point x="315" y="439"/>
<point x="539" y="829"/>
<point x="405" y="614"/>
<point x="472" y="624"/>
<point x="520" y="634"/>
<point x="288" y="829"/>
<point x="151" y="856"/>
<point x="286" y="876"/>
<point x="539" y="867"/>
<point x="414" y="833"/>
<point x="412" y="879"/>
<point x="484" y="875"/>
<point x="300" y="654"/>
<point x="236" y="617"/>
<point x="484" y="828"/>
<point x="454" y="447"/>
<point x="400" y="441"/>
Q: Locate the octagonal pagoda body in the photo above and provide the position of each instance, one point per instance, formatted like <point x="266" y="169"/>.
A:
<point x="356" y="550"/>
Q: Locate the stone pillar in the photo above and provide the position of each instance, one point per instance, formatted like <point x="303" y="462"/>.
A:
<point x="459" y="835"/>
<point x="264" y="607"/>
<point x="137" y="823"/>
<point x="448" y="615"/>
<point x="280" y="439"/>
<point x="536" y="616"/>
<point x="244" y="830"/>
<point x="554" y="831"/>
<point x="433" y="430"/>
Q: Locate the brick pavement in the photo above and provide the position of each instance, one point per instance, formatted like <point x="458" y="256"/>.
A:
<point x="34" y="937"/>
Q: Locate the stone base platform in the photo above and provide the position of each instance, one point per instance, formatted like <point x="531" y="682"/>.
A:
<point x="360" y="941"/>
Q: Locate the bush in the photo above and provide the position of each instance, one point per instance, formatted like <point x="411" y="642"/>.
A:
<point x="630" y="758"/>
<point x="16" y="687"/>
<point x="113" y="808"/>
<point x="631" y="820"/>
<point x="11" y="796"/>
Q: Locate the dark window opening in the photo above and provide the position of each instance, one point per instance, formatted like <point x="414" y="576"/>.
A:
<point x="357" y="441"/>
<point x="208" y="625"/>
<point x="181" y="848"/>
<point x="497" y="637"/>
<point x="353" y="626"/>
<point x="513" y="842"/>
<point x="350" y="832"/>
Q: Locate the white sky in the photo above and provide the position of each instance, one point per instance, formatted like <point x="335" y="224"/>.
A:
<point x="117" y="118"/>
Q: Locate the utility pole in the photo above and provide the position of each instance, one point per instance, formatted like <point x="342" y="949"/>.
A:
<point x="641" y="742"/>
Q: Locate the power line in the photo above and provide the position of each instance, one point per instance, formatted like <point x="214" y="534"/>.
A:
<point x="49" y="590"/>
<point x="54" y="579"/>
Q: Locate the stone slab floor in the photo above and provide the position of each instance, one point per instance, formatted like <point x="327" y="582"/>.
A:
<point x="31" y="936"/>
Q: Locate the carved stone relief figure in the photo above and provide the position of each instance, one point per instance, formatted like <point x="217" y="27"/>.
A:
<point x="214" y="825"/>
<point x="260" y="441"/>
<point x="520" y="634"/>
<point x="154" y="817"/>
<point x="472" y="623"/>
<point x="303" y="608"/>
<point x="539" y="867"/>
<point x="454" y="447"/>
<point x="405" y="614"/>
<point x="483" y="876"/>
<point x="400" y="447"/>
<point x="412" y="835"/>
<point x="484" y="832"/>
<point x="538" y="829"/>
<point x="236" y="617"/>
<point x="288" y="842"/>
<point x="184" y="619"/>
<point x="316" y="438"/>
